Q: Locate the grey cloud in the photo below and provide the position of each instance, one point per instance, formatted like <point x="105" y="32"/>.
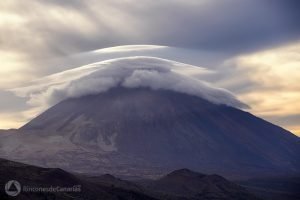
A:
<point x="289" y="120"/>
<point x="286" y="120"/>
<point x="233" y="26"/>
<point x="10" y="103"/>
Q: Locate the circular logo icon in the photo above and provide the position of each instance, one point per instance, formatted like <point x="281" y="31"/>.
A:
<point x="12" y="188"/>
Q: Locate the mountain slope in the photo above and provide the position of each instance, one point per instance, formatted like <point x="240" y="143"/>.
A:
<point x="274" y="188"/>
<point x="192" y="185"/>
<point x="144" y="131"/>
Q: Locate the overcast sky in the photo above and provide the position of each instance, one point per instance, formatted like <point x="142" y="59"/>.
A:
<point x="252" y="46"/>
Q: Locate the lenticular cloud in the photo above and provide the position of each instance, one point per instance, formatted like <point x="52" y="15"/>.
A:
<point x="129" y="72"/>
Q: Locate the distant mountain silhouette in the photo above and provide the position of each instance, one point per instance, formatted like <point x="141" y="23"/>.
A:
<point x="176" y="185"/>
<point x="33" y="176"/>
<point x="192" y="185"/>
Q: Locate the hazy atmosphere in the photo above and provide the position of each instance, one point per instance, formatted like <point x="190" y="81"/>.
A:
<point x="250" y="48"/>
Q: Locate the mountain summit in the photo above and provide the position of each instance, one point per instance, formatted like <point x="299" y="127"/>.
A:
<point x="122" y="117"/>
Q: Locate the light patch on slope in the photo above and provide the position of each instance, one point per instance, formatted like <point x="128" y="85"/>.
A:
<point x="105" y="142"/>
<point x="129" y="72"/>
<point x="109" y="144"/>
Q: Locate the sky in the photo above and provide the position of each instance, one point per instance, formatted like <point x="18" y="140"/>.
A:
<point x="252" y="48"/>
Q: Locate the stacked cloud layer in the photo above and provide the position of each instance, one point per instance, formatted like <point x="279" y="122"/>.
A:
<point x="129" y="72"/>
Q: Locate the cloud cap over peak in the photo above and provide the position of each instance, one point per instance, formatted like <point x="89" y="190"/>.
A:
<point x="129" y="72"/>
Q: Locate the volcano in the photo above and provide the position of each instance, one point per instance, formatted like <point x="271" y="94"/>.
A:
<point x="150" y="130"/>
<point x="143" y="128"/>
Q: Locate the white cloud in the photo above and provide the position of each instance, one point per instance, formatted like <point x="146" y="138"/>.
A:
<point x="130" y="72"/>
<point x="129" y="48"/>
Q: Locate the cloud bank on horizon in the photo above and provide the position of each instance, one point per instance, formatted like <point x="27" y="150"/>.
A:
<point x="129" y="72"/>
